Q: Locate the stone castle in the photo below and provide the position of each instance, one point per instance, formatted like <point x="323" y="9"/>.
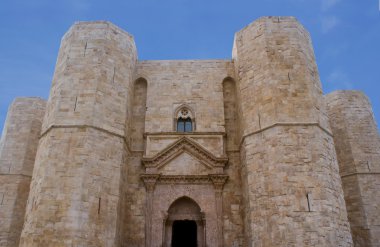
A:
<point x="238" y="152"/>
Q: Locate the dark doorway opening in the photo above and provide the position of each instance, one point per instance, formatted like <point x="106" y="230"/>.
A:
<point x="184" y="233"/>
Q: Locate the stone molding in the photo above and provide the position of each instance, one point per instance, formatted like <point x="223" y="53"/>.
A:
<point x="55" y="126"/>
<point x="86" y="126"/>
<point x="328" y="132"/>
<point x="15" y="174"/>
<point x="197" y="133"/>
<point x="150" y="180"/>
<point x="184" y="144"/>
<point x="359" y="173"/>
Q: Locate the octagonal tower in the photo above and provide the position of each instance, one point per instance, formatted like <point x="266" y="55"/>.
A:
<point x="75" y="190"/>
<point x="292" y="189"/>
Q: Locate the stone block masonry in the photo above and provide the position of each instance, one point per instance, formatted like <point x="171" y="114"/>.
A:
<point x="76" y="186"/>
<point x="357" y="143"/>
<point x="18" y="148"/>
<point x="239" y="152"/>
<point x="292" y="190"/>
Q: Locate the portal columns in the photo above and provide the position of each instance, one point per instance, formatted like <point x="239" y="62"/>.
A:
<point x="150" y="181"/>
<point x="218" y="182"/>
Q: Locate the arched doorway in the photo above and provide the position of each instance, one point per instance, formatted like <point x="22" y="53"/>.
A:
<point x="184" y="233"/>
<point x="184" y="224"/>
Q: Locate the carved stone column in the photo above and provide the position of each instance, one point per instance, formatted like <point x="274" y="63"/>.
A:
<point x="219" y="181"/>
<point x="150" y="182"/>
<point x="204" y="229"/>
<point x="165" y="230"/>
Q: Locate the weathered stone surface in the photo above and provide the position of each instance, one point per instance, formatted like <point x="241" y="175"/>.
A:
<point x="18" y="148"/>
<point x="357" y="143"/>
<point x="256" y="166"/>
<point x="291" y="185"/>
<point x="93" y="78"/>
<point x="75" y="191"/>
<point x="196" y="83"/>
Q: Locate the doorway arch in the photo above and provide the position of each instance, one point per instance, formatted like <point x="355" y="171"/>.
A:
<point x="184" y="222"/>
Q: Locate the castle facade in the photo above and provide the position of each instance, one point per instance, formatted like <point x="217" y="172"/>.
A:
<point x="239" y="152"/>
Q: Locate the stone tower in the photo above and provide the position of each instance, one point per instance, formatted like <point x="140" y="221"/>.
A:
<point x="235" y="152"/>
<point x="18" y="148"/>
<point x="357" y="143"/>
<point x="76" y="191"/>
<point x="292" y="189"/>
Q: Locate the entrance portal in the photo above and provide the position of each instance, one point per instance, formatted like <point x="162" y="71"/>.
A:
<point x="184" y="225"/>
<point x="184" y="233"/>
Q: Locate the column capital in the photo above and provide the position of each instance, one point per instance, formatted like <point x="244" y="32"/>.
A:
<point x="218" y="180"/>
<point x="150" y="181"/>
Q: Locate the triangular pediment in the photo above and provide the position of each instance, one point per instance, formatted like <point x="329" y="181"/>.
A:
<point x="191" y="148"/>
<point x="184" y="164"/>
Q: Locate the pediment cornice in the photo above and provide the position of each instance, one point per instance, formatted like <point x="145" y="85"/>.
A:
<point x="218" y="180"/>
<point x="184" y="144"/>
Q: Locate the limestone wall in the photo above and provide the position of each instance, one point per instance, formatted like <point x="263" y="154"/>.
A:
<point x="76" y="189"/>
<point x="264" y="110"/>
<point x="291" y="185"/>
<point x="18" y="148"/>
<point x="134" y="203"/>
<point x="197" y="83"/>
<point x="357" y="144"/>
<point x="233" y="203"/>
<point x="132" y="207"/>
<point x="93" y="78"/>
<point x="277" y="74"/>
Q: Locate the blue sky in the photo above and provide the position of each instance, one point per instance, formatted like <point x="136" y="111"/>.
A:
<point x="345" y="33"/>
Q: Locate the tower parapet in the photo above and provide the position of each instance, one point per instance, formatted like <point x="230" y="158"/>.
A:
<point x="292" y="189"/>
<point x="357" y="143"/>
<point x="77" y="176"/>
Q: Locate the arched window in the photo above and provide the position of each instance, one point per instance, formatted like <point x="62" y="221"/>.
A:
<point x="184" y="125"/>
<point x="184" y="120"/>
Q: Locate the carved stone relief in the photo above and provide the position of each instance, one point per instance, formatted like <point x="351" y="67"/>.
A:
<point x="184" y="193"/>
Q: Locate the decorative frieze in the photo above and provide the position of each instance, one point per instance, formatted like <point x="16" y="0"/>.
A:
<point x="151" y="180"/>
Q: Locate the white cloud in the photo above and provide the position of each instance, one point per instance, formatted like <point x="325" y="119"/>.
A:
<point x="329" y="23"/>
<point x="337" y="79"/>
<point x="328" y="4"/>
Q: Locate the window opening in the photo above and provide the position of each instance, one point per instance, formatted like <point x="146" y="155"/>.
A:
<point x="184" y="121"/>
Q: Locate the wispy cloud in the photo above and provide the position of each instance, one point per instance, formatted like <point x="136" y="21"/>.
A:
<point x="328" y="23"/>
<point x="79" y="6"/>
<point x="325" y="5"/>
<point x="338" y="79"/>
<point x="328" y="4"/>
